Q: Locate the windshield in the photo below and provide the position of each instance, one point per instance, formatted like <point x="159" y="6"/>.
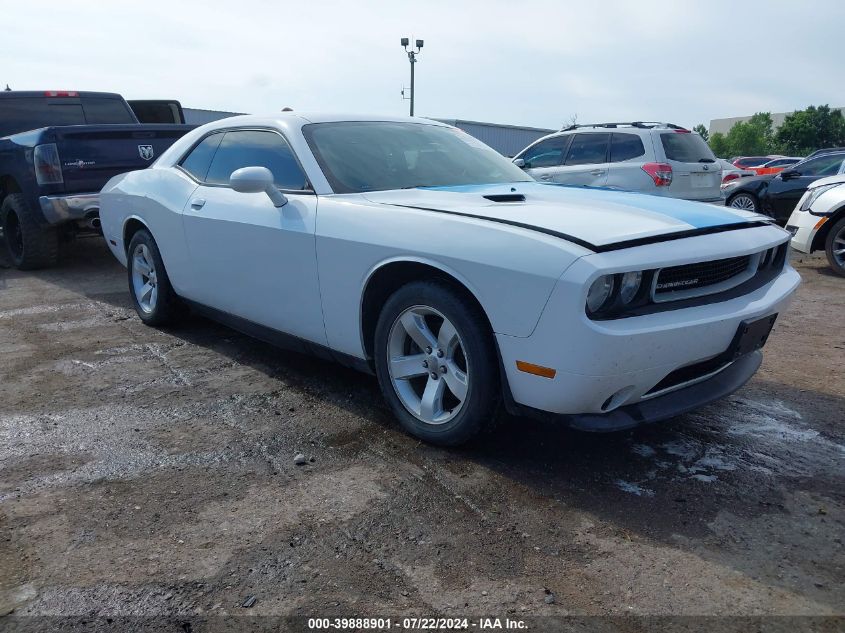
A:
<point x="358" y="156"/>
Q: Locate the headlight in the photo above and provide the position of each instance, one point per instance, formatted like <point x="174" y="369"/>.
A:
<point x="629" y="286"/>
<point x="600" y="292"/>
<point x="815" y="193"/>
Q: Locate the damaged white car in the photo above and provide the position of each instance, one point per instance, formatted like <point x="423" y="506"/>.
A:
<point x="407" y="248"/>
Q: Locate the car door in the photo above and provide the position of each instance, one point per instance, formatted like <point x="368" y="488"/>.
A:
<point x="542" y="160"/>
<point x="787" y="187"/>
<point x="249" y="258"/>
<point x="627" y="153"/>
<point x="587" y="161"/>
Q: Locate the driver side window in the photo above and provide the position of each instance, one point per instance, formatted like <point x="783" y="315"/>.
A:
<point x="821" y="166"/>
<point x="256" y="148"/>
<point x="548" y="153"/>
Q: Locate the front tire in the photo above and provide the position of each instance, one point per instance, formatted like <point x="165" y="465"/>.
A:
<point x="436" y="363"/>
<point x="835" y="247"/>
<point x="152" y="295"/>
<point x="744" y="201"/>
<point x="28" y="242"/>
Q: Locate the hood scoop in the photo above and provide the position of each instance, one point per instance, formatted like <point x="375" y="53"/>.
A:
<point x="505" y="197"/>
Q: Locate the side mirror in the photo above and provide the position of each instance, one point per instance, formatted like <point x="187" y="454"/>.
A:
<point x="519" y="163"/>
<point x="256" y="180"/>
<point x="788" y="174"/>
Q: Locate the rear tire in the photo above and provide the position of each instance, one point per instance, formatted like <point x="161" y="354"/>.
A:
<point x="445" y="392"/>
<point x="744" y="201"/>
<point x="152" y="295"/>
<point x="29" y="243"/>
<point x="835" y="247"/>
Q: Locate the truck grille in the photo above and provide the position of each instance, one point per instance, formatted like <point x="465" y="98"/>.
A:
<point x="699" y="275"/>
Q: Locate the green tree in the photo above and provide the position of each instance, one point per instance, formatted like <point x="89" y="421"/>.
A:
<point x="719" y="144"/>
<point x="807" y="130"/>
<point x="702" y="131"/>
<point x="752" y="137"/>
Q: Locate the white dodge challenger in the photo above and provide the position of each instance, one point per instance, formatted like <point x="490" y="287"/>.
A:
<point x="407" y="248"/>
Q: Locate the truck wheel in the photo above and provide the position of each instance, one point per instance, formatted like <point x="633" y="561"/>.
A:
<point x="153" y="296"/>
<point x="30" y="244"/>
<point x="835" y="247"/>
<point x="436" y="363"/>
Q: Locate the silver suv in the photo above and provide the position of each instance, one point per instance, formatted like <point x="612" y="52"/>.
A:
<point x="657" y="158"/>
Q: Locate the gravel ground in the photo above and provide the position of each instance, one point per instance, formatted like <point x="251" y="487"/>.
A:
<point x="147" y="473"/>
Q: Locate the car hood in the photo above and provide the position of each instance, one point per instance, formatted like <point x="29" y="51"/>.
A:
<point x="595" y="217"/>
<point x="829" y="180"/>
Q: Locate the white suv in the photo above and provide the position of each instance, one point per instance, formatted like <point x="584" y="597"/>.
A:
<point x="656" y="158"/>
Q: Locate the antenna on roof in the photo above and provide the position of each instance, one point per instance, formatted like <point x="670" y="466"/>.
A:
<point x="287" y="109"/>
<point x="7" y="88"/>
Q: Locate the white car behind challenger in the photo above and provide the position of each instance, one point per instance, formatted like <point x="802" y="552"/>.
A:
<point x="407" y="248"/>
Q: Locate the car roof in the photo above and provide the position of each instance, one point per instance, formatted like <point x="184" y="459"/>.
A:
<point x="320" y="117"/>
<point x="840" y="154"/>
<point x="53" y="94"/>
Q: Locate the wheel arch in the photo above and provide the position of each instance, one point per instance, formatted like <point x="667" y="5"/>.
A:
<point x="8" y="185"/>
<point x="821" y="235"/>
<point x="131" y="225"/>
<point x="388" y="276"/>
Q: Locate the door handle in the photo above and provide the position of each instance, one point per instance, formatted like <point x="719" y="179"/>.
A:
<point x="197" y="203"/>
<point x="546" y="177"/>
<point x="598" y="172"/>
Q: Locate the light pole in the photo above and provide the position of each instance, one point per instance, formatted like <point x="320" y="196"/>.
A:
<point x="412" y="57"/>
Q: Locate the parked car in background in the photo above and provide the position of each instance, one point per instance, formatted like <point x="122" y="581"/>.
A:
<point x="57" y="149"/>
<point x="747" y="162"/>
<point x="818" y="221"/>
<point x="656" y="158"/>
<point x="777" y="195"/>
<point x="775" y="166"/>
<point x="732" y="172"/>
<point x="826" y="150"/>
<point x="407" y="248"/>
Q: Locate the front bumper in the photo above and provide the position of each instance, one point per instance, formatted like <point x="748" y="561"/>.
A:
<point x="607" y="367"/>
<point x="66" y="208"/>
<point x="804" y="226"/>
<point x="666" y="406"/>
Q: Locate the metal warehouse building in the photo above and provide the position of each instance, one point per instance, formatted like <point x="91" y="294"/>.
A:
<point x="505" y="139"/>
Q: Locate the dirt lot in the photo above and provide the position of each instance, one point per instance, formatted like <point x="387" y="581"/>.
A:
<point x="148" y="472"/>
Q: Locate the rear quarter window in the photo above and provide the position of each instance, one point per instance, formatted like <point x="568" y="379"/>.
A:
<point x="198" y="159"/>
<point x="625" y="147"/>
<point x="686" y="148"/>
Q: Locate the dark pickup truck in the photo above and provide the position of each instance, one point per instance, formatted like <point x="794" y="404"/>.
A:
<point x="57" y="150"/>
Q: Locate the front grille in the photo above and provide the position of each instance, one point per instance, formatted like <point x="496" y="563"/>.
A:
<point x="700" y="275"/>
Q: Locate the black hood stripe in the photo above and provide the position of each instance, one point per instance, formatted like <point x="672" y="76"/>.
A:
<point x="604" y="248"/>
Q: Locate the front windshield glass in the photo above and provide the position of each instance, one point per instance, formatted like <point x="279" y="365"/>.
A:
<point x="358" y="156"/>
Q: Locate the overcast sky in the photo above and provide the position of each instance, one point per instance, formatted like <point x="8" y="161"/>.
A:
<point x="519" y="62"/>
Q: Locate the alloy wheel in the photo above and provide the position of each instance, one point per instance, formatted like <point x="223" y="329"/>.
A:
<point x="427" y="364"/>
<point x="839" y="247"/>
<point x="744" y="202"/>
<point x="144" y="280"/>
